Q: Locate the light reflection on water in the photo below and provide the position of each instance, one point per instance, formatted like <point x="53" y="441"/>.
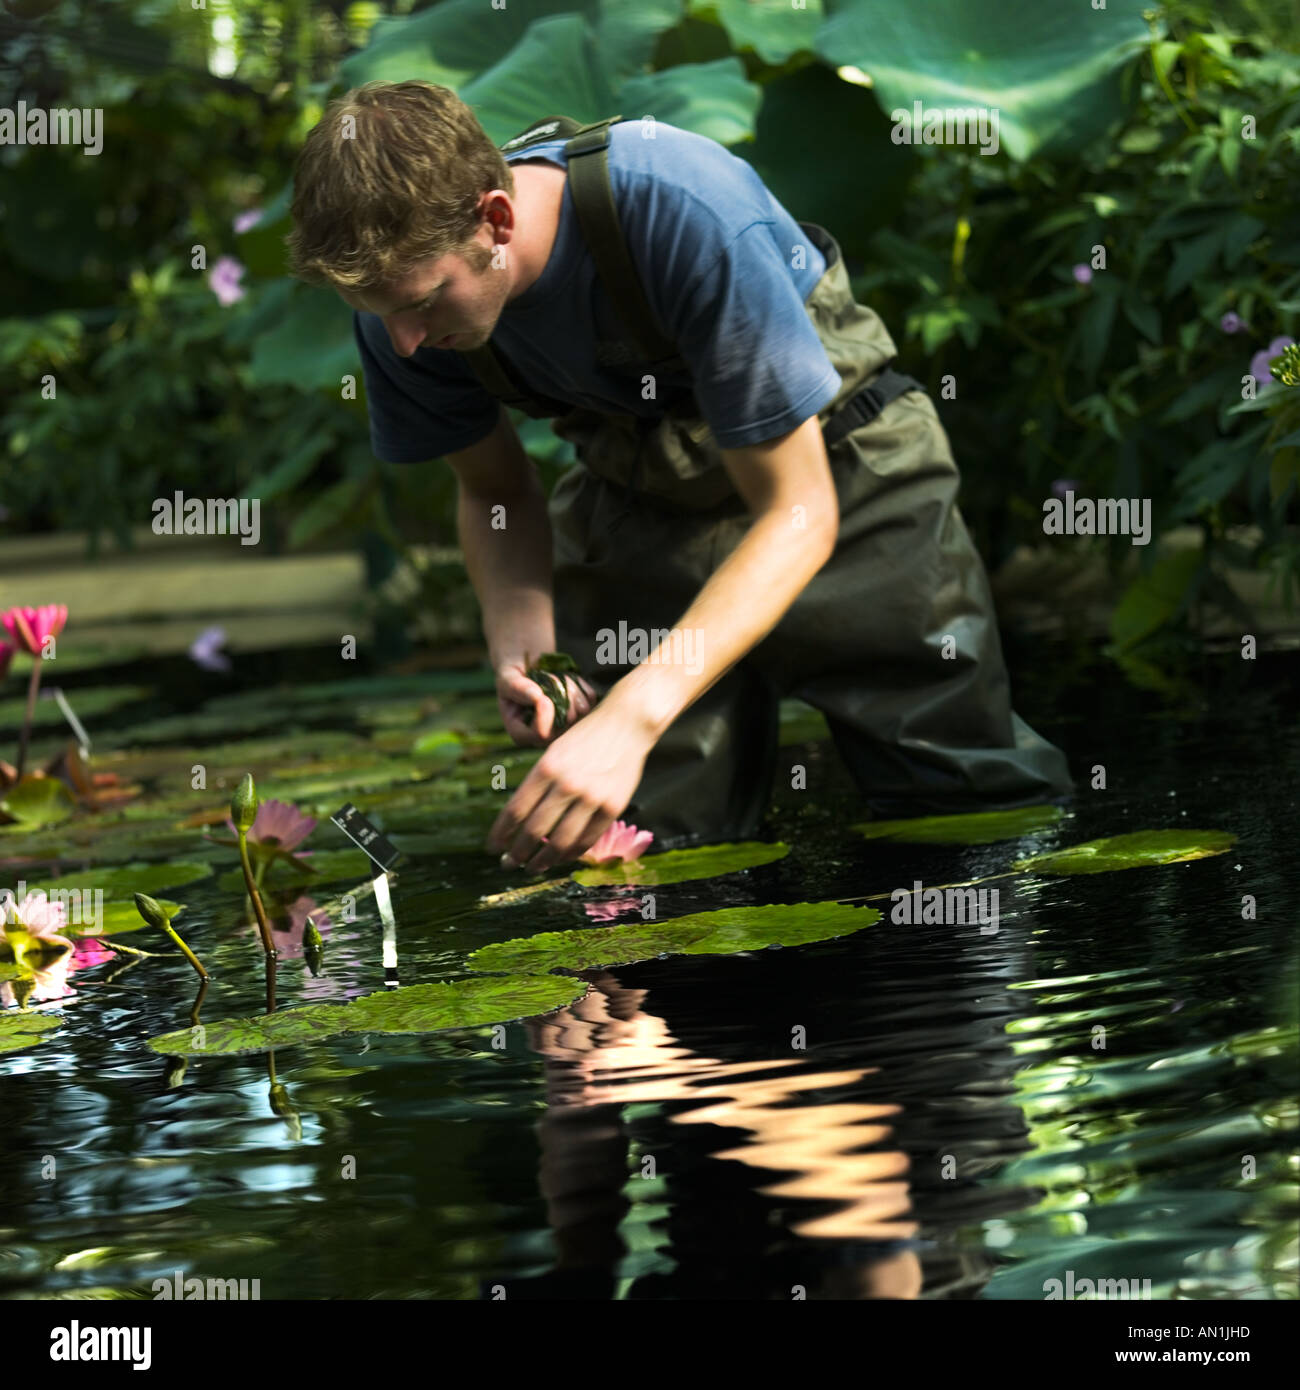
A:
<point x="953" y="1127"/>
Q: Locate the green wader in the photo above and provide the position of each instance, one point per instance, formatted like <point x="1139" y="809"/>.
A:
<point x="864" y="642"/>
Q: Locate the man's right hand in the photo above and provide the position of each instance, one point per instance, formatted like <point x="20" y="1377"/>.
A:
<point x="518" y="697"/>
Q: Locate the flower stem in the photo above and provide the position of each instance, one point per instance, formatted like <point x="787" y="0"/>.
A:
<point x="32" y="688"/>
<point x="189" y="955"/>
<point x="268" y="944"/>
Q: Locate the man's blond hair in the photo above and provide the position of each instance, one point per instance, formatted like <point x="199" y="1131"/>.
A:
<point x="391" y="176"/>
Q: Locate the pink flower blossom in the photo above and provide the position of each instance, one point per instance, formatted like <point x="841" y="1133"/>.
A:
<point x="28" y="628"/>
<point x="619" y="842"/>
<point x="224" y="278"/>
<point x="1082" y="273"/>
<point x="246" y="220"/>
<point x="1231" y="323"/>
<point x="42" y="919"/>
<point x="278" y="825"/>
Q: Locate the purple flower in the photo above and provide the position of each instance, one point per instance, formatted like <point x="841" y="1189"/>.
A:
<point x="224" y="278"/>
<point x="1259" y="363"/>
<point x="1230" y="323"/>
<point x="1082" y="273"/>
<point x="249" y="218"/>
<point x="1063" y="485"/>
<point x="204" y="649"/>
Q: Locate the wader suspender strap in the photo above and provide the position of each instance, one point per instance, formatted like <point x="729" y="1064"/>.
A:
<point x="593" y="200"/>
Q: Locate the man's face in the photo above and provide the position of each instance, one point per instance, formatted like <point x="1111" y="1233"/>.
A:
<point x="439" y="300"/>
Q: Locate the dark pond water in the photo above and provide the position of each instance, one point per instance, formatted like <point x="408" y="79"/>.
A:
<point x="951" y="1129"/>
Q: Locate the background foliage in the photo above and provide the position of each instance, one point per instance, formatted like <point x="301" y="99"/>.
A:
<point x="1121" y="129"/>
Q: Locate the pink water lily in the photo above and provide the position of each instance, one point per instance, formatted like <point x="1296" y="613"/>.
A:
<point x="39" y="918"/>
<point x="278" y="825"/>
<point x="28" y="628"/>
<point x="619" y="842"/>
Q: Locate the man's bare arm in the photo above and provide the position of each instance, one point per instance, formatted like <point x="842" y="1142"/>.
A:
<point x="788" y="487"/>
<point x="508" y="558"/>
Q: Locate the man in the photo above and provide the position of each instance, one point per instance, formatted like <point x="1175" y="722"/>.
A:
<point x="746" y="520"/>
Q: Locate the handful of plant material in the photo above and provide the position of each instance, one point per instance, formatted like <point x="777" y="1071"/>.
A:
<point x="550" y="672"/>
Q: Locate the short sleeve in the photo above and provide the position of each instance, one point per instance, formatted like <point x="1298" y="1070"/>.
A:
<point x="420" y="407"/>
<point x="757" y="365"/>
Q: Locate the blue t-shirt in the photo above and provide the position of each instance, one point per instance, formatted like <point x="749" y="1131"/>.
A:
<point x="716" y="256"/>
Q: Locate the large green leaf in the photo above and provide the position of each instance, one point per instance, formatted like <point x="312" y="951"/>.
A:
<point x="1050" y="70"/>
<point x="23" y="1029"/>
<point x="975" y="828"/>
<point x="857" y="183"/>
<point x="1154" y="598"/>
<point x="428" y="1008"/>
<point x="681" y="865"/>
<point x="723" y="932"/>
<point x="1138" y="850"/>
<point x="775" y="32"/>
<point x="311" y="346"/>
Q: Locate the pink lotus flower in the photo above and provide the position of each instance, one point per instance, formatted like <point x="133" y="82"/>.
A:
<point x="278" y="825"/>
<point x="38" y="918"/>
<point x="224" y="278"/>
<point x="28" y="628"/>
<point x="619" y="842"/>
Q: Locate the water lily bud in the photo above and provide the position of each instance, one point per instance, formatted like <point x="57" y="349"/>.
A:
<point x="243" y="805"/>
<point x="151" y="910"/>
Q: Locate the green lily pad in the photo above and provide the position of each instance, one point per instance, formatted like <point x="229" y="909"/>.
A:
<point x="38" y="801"/>
<point x="23" y="1029"/>
<point x="1135" y="851"/>
<point x="681" y="865"/>
<point x="125" y="880"/>
<point x="721" y="932"/>
<point x="429" y="1008"/>
<point x="974" y="828"/>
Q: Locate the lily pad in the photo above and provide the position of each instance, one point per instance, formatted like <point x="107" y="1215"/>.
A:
<point x="38" y="801"/>
<point x="722" y="932"/>
<point x="974" y="828"/>
<point x="23" y="1029"/>
<point x="1138" y="850"/>
<point x="429" y="1008"/>
<point x="125" y="880"/>
<point x="681" y="865"/>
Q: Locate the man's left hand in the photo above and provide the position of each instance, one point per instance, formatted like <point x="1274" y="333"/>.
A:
<point x="575" y="792"/>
